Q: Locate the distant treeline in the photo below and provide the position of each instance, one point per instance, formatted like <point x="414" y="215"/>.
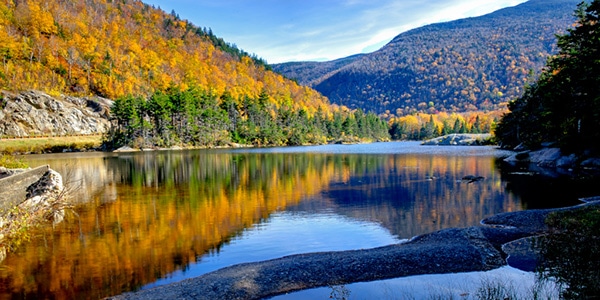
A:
<point x="427" y="126"/>
<point x="195" y="117"/>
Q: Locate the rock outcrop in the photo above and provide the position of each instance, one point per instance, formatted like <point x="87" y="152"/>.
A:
<point x="555" y="158"/>
<point x="36" y="113"/>
<point x="14" y="183"/>
<point x="459" y="139"/>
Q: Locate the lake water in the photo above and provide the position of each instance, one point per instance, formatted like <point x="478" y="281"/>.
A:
<point x="151" y="218"/>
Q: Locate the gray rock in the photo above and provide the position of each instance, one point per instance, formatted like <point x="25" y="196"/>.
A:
<point x="456" y="139"/>
<point x="593" y="163"/>
<point x="445" y="251"/>
<point x="522" y="156"/>
<point x="42" y="194"/>
<point x="546" y="157"/>
<point x="126" y="149"/>
<point x="520" y="148"/>
<point x="566" y="161"/>
<point x="37" y="113"/>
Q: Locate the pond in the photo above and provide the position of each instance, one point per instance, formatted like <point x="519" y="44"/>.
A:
<point x="151" y="218"/>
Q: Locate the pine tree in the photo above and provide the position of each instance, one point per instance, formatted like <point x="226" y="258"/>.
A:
<point x="563" y="106"/>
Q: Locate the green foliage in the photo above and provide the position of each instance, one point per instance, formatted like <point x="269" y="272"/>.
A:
<point x="465" y="65"/>
<point x="118" y="48"/>
<point x="569" y="253"/>
<point x="426" y="126"/>
<point x="17" y="231"/>
<point x="563" y="106"/>
<point x="11" y="162"/>
<point x="197" y="118"/>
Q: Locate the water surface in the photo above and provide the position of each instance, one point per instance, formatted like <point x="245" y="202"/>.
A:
<point x="151" y="218"/>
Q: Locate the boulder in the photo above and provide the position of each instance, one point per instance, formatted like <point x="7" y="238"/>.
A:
<point x="566" y="161"/>
<point x="554" y="161"/>
<point x="591" y="163"/>
<point x="546" y="157"/>
<point x="126" y="149"/>
<point x="45" y="193"/>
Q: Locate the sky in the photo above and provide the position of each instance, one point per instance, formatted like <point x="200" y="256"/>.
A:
<point x="319" y="30"/>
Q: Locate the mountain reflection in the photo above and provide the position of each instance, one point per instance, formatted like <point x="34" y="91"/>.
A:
<point x="145" y="215"/>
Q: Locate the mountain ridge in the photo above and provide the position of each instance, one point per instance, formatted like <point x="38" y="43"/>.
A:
<point x="119" y="48"/>
<point x="164" y="81"/>
<point x="477" y="63"/>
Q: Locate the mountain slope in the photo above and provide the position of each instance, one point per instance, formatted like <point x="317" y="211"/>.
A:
<point x="118" y="48"/>
<point x="311" y="73"/>
<point x="470" y="64"/>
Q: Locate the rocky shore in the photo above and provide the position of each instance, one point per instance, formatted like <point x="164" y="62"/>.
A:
<point x="554" y="159"/>
<point x="26" y="202"/>
<point x="460" y="139"/>
<point x="477" y="248"/>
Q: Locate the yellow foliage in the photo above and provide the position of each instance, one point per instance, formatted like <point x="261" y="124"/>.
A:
<point x="117" y="48"/>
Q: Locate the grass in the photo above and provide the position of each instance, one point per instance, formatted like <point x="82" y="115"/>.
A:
<point x="38" y="145"/>
<point x="11" y="162"/>
<point x="570" y="250"/>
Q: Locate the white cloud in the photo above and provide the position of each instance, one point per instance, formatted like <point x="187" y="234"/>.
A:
<point x="296" y="30"/>
<point x="372" y="28"/>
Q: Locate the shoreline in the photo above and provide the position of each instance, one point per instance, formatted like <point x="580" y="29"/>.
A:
<point x="476" y="248"/>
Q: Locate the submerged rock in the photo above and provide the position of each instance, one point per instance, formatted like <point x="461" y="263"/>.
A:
<point x="472" y="178"/>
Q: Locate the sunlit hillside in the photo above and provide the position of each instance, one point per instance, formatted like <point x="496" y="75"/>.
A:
<point x="118" y="48"/>
<point x="465" y="65"/>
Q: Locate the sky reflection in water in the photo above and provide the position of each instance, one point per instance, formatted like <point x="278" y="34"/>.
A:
<point x="146" y="219"/>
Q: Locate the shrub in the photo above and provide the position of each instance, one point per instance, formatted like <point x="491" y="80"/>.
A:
<point x="11" y="162"/>
<point x="569" y="253"/>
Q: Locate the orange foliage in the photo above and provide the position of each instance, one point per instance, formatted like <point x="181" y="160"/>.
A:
<point x="118" y="48"/>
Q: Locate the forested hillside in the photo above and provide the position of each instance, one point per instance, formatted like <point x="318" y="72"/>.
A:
<point x="117" y="48"/>
<point x="470" y="64"/>
<point x="563" y="106"/>
<point x="124" y="50"/>
<point x="311" y="72"/>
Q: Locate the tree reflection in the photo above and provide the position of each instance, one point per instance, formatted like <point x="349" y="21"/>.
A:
<point x="569" y="253"/>
<point x="151" y="214"/>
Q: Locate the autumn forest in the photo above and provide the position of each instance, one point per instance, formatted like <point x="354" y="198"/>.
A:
<point x="127" y="50"/>
<point x="175" y="83"/>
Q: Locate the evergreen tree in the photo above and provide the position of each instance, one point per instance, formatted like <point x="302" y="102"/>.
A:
<point x="476" y="126"/>
<point x="563" y="106"/>
<point x="457" y="126"/>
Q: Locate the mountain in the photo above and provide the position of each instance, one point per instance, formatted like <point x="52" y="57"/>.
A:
<point x="113" y="49"/>
<point x="465" y="65"/>
<point x="63" y="62"/>
<point x="311" y="73"/>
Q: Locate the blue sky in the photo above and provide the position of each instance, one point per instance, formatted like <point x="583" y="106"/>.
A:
<point x="300" y="30"/>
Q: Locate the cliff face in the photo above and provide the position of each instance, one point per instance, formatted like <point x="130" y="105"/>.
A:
<point x="36" y="113"/>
